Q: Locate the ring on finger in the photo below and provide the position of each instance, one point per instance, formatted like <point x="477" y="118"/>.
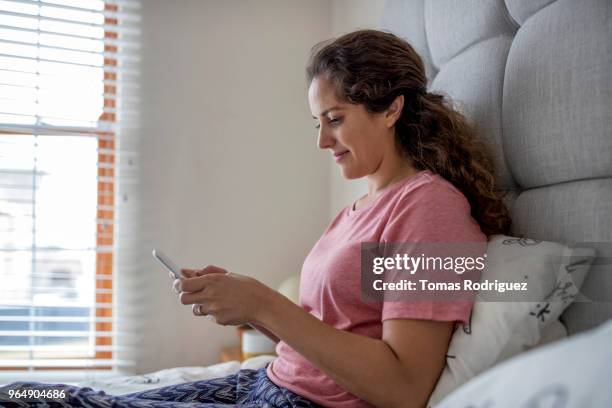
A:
<point x="198" y="310"/>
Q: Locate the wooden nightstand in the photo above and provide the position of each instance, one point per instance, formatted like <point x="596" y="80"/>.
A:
<point x="253" y="346"/>
<point x="230" y="353"/>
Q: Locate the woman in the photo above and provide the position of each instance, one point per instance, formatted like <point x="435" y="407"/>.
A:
<point x="429" y="180"/>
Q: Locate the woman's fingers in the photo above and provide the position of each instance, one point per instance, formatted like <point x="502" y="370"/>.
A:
<point x="202" y="278"/>
<point x="189" y="273"/>
<point x="176" y="286"/>
<point x="209" y="269"/>
<point x="199" y="309"/>
<point x="192" y="288"/>
<point x="192" y="273"/>
<point x="190" y="298"/>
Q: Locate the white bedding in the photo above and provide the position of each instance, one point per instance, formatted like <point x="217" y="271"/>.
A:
<point x="128" y="384"/>
<point x="571" y="373"/>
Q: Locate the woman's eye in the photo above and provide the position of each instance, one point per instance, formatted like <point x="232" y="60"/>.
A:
<point x="332" y="122"/>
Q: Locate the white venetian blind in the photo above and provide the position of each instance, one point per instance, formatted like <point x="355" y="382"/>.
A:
<point x="68" y="111"/>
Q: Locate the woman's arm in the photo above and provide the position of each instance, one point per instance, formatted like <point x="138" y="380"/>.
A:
<point x="400" y="370"/>
<point x="264" y="331"/>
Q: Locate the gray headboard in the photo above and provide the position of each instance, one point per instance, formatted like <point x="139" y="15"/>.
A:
<point x="535" y="76"/>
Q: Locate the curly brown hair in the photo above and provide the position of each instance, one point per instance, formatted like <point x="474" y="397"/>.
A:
<point x="373" y="68"/>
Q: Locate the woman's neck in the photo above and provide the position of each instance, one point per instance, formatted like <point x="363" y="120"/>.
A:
<point x="388" y="173"/>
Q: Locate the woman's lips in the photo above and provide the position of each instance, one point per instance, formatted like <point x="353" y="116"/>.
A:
<point x="340" y="155"/>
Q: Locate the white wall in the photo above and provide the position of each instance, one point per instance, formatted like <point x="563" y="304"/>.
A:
<point x="231" y="172"/>
<point x="350" y="15"/>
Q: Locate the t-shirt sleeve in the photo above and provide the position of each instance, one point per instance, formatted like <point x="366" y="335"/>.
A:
<point x="433" y="212"/>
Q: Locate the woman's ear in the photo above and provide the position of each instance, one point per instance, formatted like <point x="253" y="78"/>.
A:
<point x="394" y="111"/>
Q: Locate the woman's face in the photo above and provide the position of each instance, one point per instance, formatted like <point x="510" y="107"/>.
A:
<point x="357" y="139"/>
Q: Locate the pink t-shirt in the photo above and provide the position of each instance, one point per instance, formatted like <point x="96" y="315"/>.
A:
<point x="421" y="208"/>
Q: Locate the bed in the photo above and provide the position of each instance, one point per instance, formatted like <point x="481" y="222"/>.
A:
<point x="534" y="77"/>
<point x="176" y="375"/>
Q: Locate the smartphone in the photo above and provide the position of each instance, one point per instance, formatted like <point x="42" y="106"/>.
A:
<point x="171" y="266"/>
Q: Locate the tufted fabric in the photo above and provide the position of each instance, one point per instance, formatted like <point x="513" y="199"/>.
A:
<point x="453" y="26"/>
<point x="534" y="77"/>
<point x="406" y="19"/>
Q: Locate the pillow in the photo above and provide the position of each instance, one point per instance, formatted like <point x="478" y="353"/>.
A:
<point x="501" y="329"/>
<point x="552" y="332"/>
<point x="572" y="373"/>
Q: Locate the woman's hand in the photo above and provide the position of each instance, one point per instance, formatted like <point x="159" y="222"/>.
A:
<point x="229" y="298"/>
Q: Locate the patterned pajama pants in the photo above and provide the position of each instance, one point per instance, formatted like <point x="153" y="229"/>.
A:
<point x="246" y="388"/>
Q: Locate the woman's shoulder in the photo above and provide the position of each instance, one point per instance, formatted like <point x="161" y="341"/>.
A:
<point x="431" y="188"/>
<point x="432" y="210"/>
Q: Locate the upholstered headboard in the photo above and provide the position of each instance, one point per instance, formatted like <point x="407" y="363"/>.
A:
<point x="535" y="76"/>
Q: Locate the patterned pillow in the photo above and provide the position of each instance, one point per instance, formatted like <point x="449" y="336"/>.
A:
<point x="501" y="329"/>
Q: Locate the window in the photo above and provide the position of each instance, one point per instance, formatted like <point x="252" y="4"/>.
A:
<point x="68" y="69"/>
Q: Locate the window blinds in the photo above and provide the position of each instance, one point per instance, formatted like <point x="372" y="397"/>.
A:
<point x="69" y="73"/>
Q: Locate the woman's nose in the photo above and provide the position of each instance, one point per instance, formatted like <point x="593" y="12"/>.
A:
<point x="325" y="140"/>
